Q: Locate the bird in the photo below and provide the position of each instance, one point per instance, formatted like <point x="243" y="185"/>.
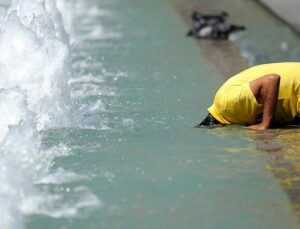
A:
<point x="212" y="26"/>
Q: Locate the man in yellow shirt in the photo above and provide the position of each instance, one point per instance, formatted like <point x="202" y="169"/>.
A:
<point x="259" y="97"/>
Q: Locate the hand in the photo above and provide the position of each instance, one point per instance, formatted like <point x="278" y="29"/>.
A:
<point x="258" y="127"/>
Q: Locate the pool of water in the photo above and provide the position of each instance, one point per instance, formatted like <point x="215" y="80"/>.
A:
<point x="129" y="156"/>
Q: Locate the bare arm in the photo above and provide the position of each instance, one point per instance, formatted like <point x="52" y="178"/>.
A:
<point x="265" y="90"/>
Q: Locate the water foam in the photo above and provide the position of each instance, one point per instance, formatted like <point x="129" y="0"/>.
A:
<point x="34" y="54"/>
<point x="34" y="95"/>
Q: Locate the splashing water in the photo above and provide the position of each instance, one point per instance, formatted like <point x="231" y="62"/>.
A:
<point x="32" y="37"/>
<point x="34" y="95"/>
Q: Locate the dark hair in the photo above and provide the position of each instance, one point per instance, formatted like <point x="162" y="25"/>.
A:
<point x="208" y="121"/>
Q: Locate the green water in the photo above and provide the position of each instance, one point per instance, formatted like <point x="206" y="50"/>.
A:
<point x="149" y="166"/>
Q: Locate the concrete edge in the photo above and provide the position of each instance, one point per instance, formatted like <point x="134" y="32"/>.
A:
<point x="276" y="11"/>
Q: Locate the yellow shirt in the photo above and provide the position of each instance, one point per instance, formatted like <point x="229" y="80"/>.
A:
<point x="235" y="103"/>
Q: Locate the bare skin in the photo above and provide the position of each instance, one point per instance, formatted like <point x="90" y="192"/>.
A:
<point x="265" y="90"/>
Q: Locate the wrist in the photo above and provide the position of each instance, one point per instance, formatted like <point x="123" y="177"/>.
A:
<point x="265" y="125"/>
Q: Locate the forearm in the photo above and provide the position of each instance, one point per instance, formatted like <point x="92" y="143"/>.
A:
<point x="266" y="90"/>
<point x="269" y="99"/>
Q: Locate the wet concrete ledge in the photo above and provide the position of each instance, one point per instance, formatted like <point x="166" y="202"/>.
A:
<point x="286" y="10"/>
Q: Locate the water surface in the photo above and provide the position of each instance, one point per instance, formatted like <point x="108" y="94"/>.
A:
<point x="130" y="157"/>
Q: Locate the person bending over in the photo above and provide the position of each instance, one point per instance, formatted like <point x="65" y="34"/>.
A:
<point x="260" y="97"/>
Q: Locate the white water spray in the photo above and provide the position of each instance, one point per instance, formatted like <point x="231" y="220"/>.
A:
<point x="34" y="95"/>
<point x="33" y="57"/>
